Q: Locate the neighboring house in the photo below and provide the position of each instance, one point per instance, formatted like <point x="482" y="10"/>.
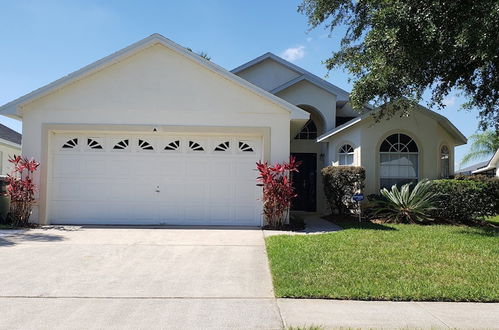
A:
<point x="10" y="145"/>
<point x="491" y="167"/>
<point x="468" y="170"/>
<point x="155" y="134"/>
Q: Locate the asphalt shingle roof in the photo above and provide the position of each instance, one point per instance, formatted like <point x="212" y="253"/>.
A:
<point x="10" y="135"/>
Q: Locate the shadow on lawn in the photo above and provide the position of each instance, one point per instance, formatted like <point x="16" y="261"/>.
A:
<point x="347" y="222"/>
<point x="481" y="231"/>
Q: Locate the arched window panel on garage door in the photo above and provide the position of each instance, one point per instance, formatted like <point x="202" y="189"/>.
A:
<point x="246" y="146"/>
<point x="144" y="144"/>
<point x="223" y="146"/>
<point x="69" y="143"/>
<point x="120" y="144"/>
<point x="172" y="145"/>
<point x="95" y="143"/>
<point x="195" y="146"/>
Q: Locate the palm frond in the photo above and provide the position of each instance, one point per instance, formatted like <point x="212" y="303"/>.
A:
<point x="404" y="205"/>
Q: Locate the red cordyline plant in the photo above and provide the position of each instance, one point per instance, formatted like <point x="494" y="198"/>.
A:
<point x="21" y="189"/>
<point x="278" y="191"/>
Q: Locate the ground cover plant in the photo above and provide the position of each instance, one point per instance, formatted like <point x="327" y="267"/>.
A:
<point x="369" y="261"/>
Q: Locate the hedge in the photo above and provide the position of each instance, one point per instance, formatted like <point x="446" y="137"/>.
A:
<point x="492" y="188"/>
<point x="462" y="201"/>
<point x="340" y="183"/>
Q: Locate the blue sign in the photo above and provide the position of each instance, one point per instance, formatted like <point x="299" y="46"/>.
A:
<point x="358" y="197"/>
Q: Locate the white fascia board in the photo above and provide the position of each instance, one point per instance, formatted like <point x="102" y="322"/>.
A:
<point x="343" y="127"/>
<point x="10" y="143"/>
<point x="13" y="108"/>
<point x="446" y="124"/>
<point x="490" y="165"/>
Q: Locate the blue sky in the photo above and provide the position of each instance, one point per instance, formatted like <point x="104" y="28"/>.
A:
<point x="44" y="40"/>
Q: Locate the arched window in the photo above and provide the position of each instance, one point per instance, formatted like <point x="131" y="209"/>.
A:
<point x="444" y="162"/>
<point x="398" y="160"/>
<point x="345" y="155"/>
<point x="308" y="132"/>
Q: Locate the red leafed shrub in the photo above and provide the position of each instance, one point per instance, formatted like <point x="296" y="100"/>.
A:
<point x="278" y="191"/>
<point x="21" y="189"/>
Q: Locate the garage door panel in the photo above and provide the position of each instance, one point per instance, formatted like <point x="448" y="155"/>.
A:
<point x="221" y="192"/>
<point x="66" y="189"/>
<point x="221" y="168"/>
<point x="195" y="167"/>
<point x="95" y="167"/>
<point x="67" y="166"/>
<point x="176" y="182"/>
<point x="174" y="166"/>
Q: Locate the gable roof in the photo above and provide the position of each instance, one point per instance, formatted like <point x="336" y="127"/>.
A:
<point x="13" y="108"/>
<point x="10" y="135"/>
<point x="341" y="94"/>
<point x="490" y="165"/>
<point x="460" y="138"/>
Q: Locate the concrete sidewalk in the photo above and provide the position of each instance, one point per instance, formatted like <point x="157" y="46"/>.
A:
<point x="334" y="314"/>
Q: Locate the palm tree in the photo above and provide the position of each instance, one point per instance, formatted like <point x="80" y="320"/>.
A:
<point x="483" y="144"/>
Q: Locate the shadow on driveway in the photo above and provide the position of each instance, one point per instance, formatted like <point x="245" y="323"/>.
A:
<point x="23" y="236"/>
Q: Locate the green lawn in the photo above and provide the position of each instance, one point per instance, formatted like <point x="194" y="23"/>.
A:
<point x="494" y="220"/>
<point x="2" y="226"/>
<point x="388" y="262"/>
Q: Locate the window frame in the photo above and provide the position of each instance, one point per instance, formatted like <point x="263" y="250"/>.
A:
<point x="402" y="150"/>
<point x="344" y="153"/>
<point x="445" y="161"/>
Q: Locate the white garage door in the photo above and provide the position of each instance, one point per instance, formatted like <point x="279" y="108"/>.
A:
<point x="154" y="179"/>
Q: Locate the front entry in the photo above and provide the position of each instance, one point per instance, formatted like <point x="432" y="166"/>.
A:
<point x="305" y="182"/>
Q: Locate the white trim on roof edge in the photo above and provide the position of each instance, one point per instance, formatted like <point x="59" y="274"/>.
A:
<point x="341" y="94"/>
<point x="490" y="166"/>
<point x="438" y="117"/>
<point x="10" y="143"/>
<point x="12" y="109"/>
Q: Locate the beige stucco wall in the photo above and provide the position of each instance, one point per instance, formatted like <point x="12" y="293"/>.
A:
<point x="305" y="93"/>
<point x="351" y="137"/>
<point x="156" y="87"/>
<point x="268" y="74"/>
<point x="6" y="151"/>
<point x="425" y="131"/>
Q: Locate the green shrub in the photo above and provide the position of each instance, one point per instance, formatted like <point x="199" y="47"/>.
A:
<point x="404" y="205"/>
<point x="340" y="183"/>
<point x="462" y="201"/>
<point x="492" y="188"/>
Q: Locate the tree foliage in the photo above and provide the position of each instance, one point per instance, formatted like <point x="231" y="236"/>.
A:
<point x="398" y="49"/>
<point x="483" y="144"/>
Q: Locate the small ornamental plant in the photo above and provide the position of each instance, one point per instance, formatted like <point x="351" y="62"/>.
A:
<point x="21" y="189"/>
<point x="278" y="191"/>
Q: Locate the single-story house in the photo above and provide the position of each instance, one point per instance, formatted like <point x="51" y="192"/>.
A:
<point x="10" y="145"/>
<point x="468" y="170"/>
<point x="491" y="167"/>
<point x="155" y="134"/>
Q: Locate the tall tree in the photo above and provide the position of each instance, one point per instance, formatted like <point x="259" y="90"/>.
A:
<point x="398" y="49"/>
<point x="483" y="144"/>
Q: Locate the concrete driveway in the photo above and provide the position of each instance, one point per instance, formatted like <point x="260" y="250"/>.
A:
<point x="67" y="277"/>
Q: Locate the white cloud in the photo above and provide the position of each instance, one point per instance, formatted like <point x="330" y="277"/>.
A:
<point x="309" y="39"/>
<point x="450" y="100"/>
<point x="293" y="54"/>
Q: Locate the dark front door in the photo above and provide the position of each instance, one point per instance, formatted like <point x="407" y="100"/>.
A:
<point x="305" y="182"/>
